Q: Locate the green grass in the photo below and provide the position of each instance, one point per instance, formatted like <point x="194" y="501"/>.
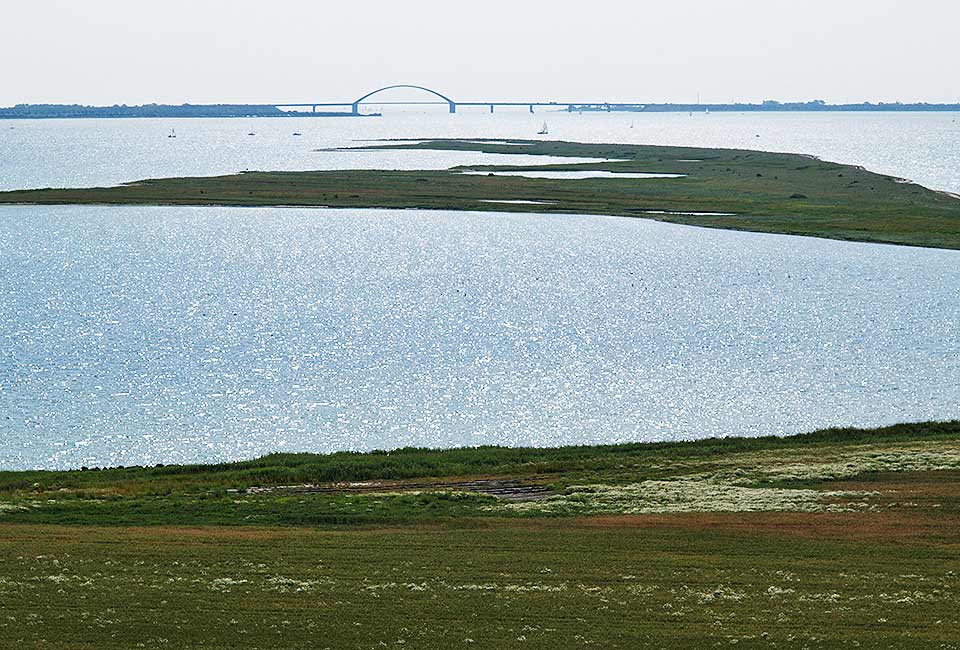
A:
<point x="768" y="192"/>
<point x="686" y="583"/>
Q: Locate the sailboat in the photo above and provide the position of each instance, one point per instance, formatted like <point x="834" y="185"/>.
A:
<point x="173" y="133"/>
<point x="543" y="130"/>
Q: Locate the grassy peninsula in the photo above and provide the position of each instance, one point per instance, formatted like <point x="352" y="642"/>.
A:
<point x="836" y="539"/>
<point x="718" y="188"/>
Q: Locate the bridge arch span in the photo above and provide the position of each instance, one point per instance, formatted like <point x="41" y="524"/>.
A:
<point x="453" y="104"/>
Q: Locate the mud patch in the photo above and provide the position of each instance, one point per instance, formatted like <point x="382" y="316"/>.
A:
<point x="651" y="497"/>
<point x="505" y="489"/>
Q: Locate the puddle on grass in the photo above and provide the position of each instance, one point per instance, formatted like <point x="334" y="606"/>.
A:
<point x="574" y="175"/>
<point x="692" y="214"/>
<point x="504" y="143"/>
<point x="518" y="202"/>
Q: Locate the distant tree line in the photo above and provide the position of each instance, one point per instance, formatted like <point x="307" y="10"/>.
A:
<point x="43" y="111"/>
<point x="768" y="105"/>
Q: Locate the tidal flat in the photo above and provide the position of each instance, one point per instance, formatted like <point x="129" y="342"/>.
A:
<point x="717" y="188"/>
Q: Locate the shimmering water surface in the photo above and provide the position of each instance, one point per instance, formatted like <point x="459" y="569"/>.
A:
<point x="144" y="335"/>
<point x="138" y="335"/>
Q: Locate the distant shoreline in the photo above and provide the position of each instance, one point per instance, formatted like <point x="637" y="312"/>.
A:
<point x="77" y="111"/>
<point x="179" y="117"/>
<point x="161" y="111"/>
<point x="774" y="107"/>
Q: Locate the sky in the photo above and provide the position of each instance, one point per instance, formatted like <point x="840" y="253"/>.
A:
<point x="220" y="51"/>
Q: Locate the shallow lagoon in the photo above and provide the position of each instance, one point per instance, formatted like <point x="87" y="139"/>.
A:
<point x="143" y="335"/>
<point x="576" y="175"/>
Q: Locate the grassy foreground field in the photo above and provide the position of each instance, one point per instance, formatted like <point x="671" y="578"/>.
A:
<point x="756" y="191"/>
<point x="838" y="539"/>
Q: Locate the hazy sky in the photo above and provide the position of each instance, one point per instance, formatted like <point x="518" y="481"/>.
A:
<point x="203" y="51"/>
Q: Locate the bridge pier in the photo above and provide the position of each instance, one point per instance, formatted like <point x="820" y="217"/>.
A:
<point x="453" y="107"/>
<point x="531" y="108"/>
<point x="356" y="108"/>
<point x="491" y="109"/>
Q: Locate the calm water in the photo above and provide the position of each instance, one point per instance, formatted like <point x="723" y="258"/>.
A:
<point x="924" y="147"/>
<point x="144" y="335"/>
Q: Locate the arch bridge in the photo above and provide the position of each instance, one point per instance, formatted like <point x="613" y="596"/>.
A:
<point x="440" y="98"/>
<point x="450" y="102"/>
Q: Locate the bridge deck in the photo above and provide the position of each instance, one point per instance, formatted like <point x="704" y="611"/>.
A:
<point x="441" y="100"/>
